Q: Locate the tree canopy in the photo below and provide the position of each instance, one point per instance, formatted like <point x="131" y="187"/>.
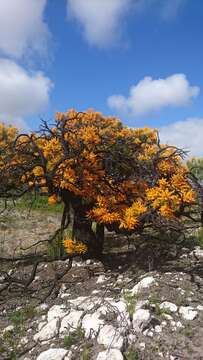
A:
<point x="102" y="171"/>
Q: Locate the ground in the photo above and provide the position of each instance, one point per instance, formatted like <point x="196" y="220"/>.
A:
<point x="110" y="292"/>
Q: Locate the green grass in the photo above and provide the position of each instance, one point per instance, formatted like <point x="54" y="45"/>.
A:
<point x="86" y="351"/>
<point x="130" y="301"/>
<point x="73" y="338"/>
<point x="37" y="203"/>
<point x="19" y="317"/>
<point x="132" y="355"/>
<point x="199" y="237"/>
<point x="11" y="339"/>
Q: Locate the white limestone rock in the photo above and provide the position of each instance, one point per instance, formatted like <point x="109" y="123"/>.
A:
<point x="41" y="325"/>
<point x="101" y="279"/>
<point x="53" y="354"/>
<point x="70" y="322"/>
<point x="42" y="307"/>
<point x="49" y="331"/>
<point x="142" y="346"/>
<point x="140" y="304"/>
<point x="158" y="329"/>
<point x="140" y="319"/>
<point x="110" y="337"/>
<point x="112" y="354"/>
<point x="91" y="324"/>
<point x="56" y="311"/>
<point x="143" y="284"/>
<point x="148" y="333"/>
<point x="9" y="328"/>
<point x="120" y="307"/>
<point x="166" y="305"/>
<point x="85" y="303"/>
<point x="198" y="252"/>
<point x="188" y="312"/>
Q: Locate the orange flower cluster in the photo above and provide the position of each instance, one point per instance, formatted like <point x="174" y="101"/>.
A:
<point x="73" y="247"/>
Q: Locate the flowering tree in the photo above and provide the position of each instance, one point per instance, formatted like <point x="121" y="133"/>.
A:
<point x="103" y="172"/>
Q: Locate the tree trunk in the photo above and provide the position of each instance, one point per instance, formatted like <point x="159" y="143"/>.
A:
<point x="82" y="226"/>
<point x="82" y="231"/>
<point x="100" y="237"/>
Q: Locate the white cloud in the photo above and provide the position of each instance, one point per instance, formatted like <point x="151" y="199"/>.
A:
<point x="22" y="27"/>
<point x="185" y="134"/>
<point x="101" y="20"/>
<point x="21" y="93"/>
<point x="152" y="95"/>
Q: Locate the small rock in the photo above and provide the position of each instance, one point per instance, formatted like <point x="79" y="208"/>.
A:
<point x="101" y="279"/>
<point x="198" y="252"/>
<point x="95" y="291"/>
<point x="24" y="340"/>
<point x="91" y="324"/>
<point x="56" y="311"/>
<point x="166" y="305"/>
<point x="167" y="317"/>
<point x="200" y="307"/>
<point x="148" y="332"/>
<point x="65" y="295"/>
<point x="179" y="325"/>
<point x="188" y="312"/>
<point x="143" y="284"/>
<point x="48" y="331"/>
<point x="140" y="319"/>
<point x="70" y="322"/>
<point x="142" y="346"/>
<point x="112" y="354"/>
<point x="42" y="307"/>
<point x="140" y="304"/>
<point x="9" y="328"/>
<point x="158" y="329"/>
<point x="132" y="339"/>
<point x="110" y="337"/>
<point x="53" y="354"/>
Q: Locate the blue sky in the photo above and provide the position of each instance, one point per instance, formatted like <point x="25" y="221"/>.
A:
<point x="140" y="60"/>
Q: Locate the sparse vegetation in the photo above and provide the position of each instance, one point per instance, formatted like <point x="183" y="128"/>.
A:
<point x="130" y="301"/>
<point x="73" y="338"/>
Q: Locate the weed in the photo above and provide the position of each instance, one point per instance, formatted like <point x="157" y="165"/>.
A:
<point x="130" y="301"/>
<point x="199" y="237"/>
<point x="73" y="338"/>
<point x="86" y="351"/>
<point x="155" y="301"/>
<point x="19" y="317"/>
<point x="132" y="355"/>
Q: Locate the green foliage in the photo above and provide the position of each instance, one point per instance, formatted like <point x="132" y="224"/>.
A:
<point x="37" y="202"/>
<point x="19" y="317"/>
<point x="86" y="351"/>
<point x="155" y="301"/>
<point x="132" y="355"/>
<point x="199" y="237"/>
<point x="11" y="339"/>
<point x="73" y="338"/>
<point x="130" y="301"/>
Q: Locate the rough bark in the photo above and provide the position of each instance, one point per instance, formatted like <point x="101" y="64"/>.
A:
<point x="82" y="226"/>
